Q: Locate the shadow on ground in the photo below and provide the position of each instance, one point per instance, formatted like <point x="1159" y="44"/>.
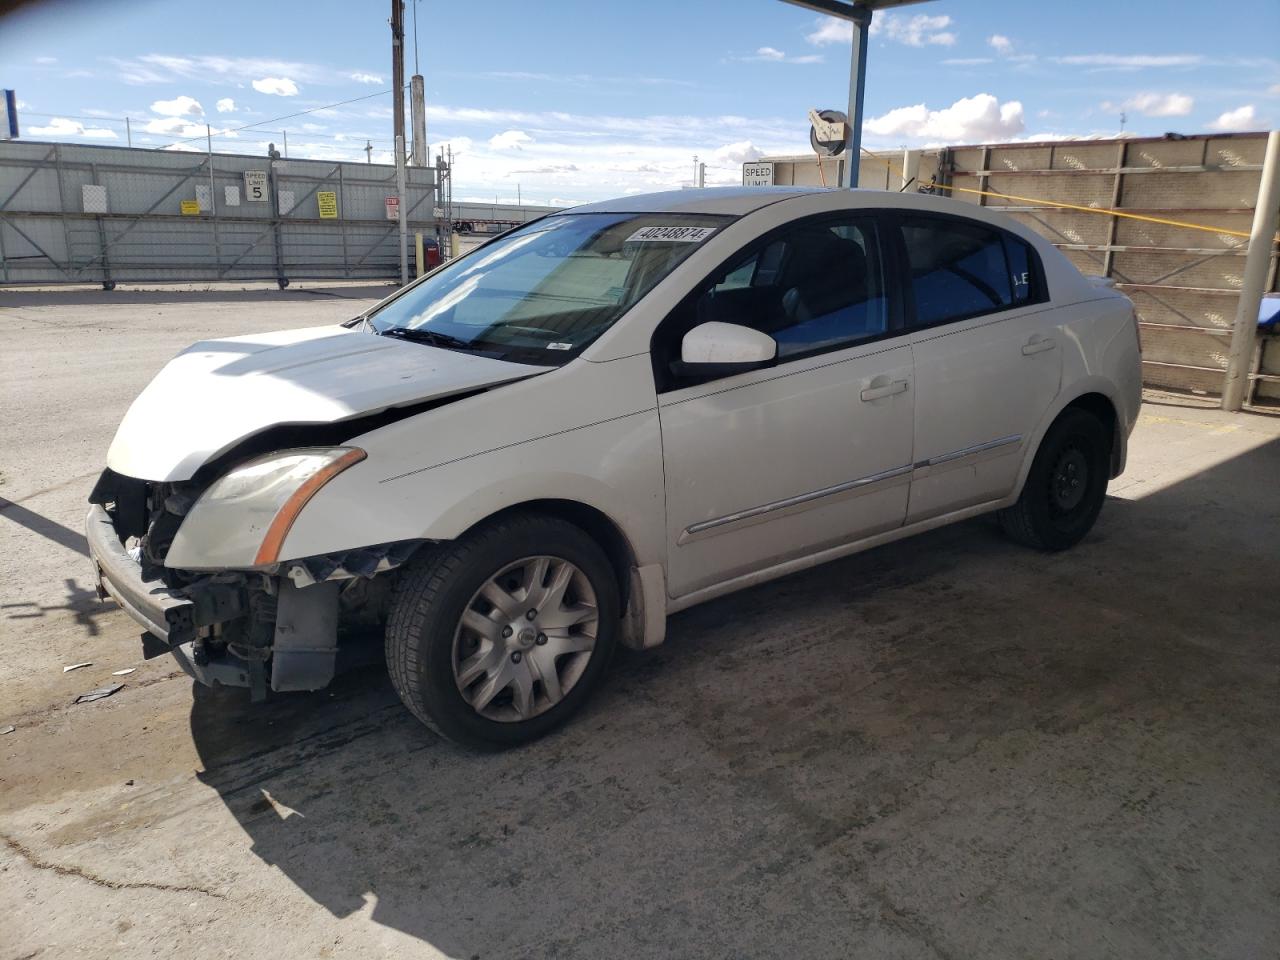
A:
<point x="949" y="746"/>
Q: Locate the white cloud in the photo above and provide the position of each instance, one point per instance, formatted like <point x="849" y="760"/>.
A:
<point x="183" y="106"/>
<point x="276" y="86"/>
<point x="774" y="55"/>
<point x="830" y="30"/>
<point x="976" y="119"/>
<point x="1274" y="90"/>
<point x="510" y="140"/>
<point x="177" y="126"/>
<point x="226" y="105"/>
<point x="165" y="68"/>
<point x="1131" y="61"/>
<point x="917" y="31"/>
<point x="1000" y="43"/>
<point x="366" y="78"/>
<point x="45" y="61"/>
<point x="1155" y="104"/>
<point x="62" y="127"/>
<point x="967" y="61"/>
<point x="1241" y="118"/>
<point x="736" y="154"/>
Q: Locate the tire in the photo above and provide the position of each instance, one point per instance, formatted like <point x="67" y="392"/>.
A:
<point x="1066" y="485"/>
<point x="433" y="654"/>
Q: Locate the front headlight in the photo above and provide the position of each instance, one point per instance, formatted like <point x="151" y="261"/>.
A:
<point x="252" y="507"/>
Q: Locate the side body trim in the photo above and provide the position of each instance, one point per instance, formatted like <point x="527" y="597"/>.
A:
<point x="765" y="511"/>
<point x="969" y="451"/>
<point x="867" y="484"/>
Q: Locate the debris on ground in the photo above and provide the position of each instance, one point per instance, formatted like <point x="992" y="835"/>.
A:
<point x="9" y="729"/>
<point x="100" y="693"/>
<point x="123" y="673"/>
<point x="77" y="666"/>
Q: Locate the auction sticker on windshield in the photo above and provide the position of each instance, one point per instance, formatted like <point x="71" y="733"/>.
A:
<point x="671" y="234"/>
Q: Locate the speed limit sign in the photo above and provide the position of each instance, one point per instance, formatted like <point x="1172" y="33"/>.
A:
<point x="255" y="186"/>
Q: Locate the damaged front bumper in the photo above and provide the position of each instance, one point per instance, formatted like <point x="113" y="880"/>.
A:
<point x="244" y="629"/>
<point x="173" y="620"/>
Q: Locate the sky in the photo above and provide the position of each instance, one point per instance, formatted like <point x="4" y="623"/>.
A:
<point x="565" y="101"/>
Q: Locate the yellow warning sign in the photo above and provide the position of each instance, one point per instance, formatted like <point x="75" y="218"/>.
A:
<point x="327" y="201"/>
<point x="191" y="208"/>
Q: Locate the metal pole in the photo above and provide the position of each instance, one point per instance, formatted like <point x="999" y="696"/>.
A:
<point x="285" y="134"/>
<point x="401" y="212"/>
<point x="418" y="111"/>
<point x="397" y="93"/>
<point x="128" y="131"/>
<point x="1261" y="245"/>
<point x="910" y="169"/>
<point x="861" y="21"/>
<point x="213" y="204"/>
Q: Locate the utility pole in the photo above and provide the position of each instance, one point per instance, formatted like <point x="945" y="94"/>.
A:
<point x="285" y="134"/>
<point x="1123" y="119"/>
<point x="397" y="82"/>
<point x="128" y="131"/>
<point x="368" y="150"/>
<point x="418" y="111"/>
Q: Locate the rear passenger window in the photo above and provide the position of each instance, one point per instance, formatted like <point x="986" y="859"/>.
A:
<point x="959" y="269"/>
<point x="1021" y="270"/>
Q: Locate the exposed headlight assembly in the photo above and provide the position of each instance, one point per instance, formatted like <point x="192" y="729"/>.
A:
<point x="242" y="519"/>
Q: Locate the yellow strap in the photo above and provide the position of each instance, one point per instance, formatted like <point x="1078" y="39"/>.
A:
<point x="1074" y="206"/>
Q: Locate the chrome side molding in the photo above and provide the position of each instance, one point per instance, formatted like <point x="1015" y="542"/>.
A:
<point x="768" y="511"/>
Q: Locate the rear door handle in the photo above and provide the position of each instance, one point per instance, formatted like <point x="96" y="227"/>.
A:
<point x="1038" y="344"/>
<point x="888" y="390"/>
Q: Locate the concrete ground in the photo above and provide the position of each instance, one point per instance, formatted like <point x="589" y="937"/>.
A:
<point x="948" y="747"/>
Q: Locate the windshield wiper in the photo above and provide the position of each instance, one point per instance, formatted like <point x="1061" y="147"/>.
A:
<point x="430" y="337"/>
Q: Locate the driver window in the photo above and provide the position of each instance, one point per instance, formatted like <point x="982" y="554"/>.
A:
<point x="817" y="286"/>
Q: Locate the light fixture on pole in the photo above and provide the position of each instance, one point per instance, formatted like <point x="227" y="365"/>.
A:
<point x="858" y="14"/>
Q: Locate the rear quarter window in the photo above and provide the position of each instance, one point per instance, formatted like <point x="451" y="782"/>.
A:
<point x="960" y="268"/>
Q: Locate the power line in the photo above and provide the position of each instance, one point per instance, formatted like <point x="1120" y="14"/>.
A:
<point x="287" y="116"/>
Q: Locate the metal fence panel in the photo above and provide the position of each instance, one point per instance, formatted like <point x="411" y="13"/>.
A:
<point x="75" y="213"/>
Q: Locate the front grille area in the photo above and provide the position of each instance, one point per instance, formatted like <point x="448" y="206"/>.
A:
<point x="151" y="513"/>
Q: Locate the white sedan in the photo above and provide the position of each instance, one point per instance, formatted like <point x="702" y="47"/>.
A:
<point x="542" y="449"/>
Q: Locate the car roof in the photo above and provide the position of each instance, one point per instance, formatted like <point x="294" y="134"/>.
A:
<point x="733" y="201"/>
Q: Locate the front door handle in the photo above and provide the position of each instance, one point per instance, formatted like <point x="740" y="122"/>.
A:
<point x="888" y="390"/>
<point x="1038" y="344"/>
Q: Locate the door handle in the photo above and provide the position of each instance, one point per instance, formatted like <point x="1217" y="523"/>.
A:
<point x="888" y="390"/>
<point x="1038" y="344"/>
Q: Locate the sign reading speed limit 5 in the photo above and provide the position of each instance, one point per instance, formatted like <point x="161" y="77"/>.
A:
<point x="255" y="186"/>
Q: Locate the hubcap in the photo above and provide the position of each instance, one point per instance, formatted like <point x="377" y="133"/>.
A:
<point x="1069" y="480"/>
<point x="525" y="639"/>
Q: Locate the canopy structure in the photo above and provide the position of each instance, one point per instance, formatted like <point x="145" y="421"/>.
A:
<point x="859" y="14"/>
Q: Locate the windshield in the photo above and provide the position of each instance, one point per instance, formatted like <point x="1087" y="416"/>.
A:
<point x="541" y="293"/>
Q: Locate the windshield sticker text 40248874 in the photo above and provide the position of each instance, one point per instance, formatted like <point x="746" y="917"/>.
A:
<point x="671" y="234"/>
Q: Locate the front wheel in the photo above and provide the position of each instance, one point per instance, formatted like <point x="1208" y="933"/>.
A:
<point x="1066" y="484"/>
<point x="497" y="638"/>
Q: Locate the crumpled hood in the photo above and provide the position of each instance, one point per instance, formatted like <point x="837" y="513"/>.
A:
<point x="217" y="392"/>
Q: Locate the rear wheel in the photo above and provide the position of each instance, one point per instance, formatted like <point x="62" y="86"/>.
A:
<point x="1066" y="485"/>
<point x="499" y="637"/>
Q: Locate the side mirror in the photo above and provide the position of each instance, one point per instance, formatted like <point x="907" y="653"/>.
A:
<point x="715" y="347"/>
